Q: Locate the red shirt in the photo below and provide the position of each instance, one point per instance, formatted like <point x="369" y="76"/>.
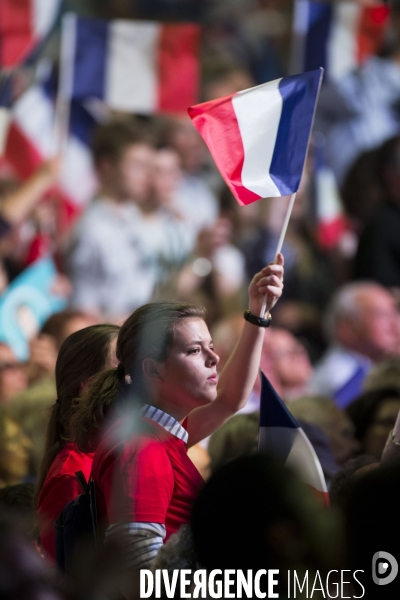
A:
<point x="60" y="486"/>
<point x="146" y="478"/>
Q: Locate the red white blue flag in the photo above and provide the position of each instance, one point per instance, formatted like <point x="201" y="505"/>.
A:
<point x="135" y="66"/>
<point x="30" y="142"/>
<point x="281" y="435"/>
<point x="338" y="36"/>
<point x="259" y="137"/>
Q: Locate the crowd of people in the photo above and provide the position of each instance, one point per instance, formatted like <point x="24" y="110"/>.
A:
<point x="137" y="382"/>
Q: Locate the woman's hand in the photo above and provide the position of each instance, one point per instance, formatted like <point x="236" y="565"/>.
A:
<point x="269" y="283"/>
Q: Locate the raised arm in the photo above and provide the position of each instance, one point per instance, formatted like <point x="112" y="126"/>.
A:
<point x="18" y="205"/>
<point x="239" y="374"/>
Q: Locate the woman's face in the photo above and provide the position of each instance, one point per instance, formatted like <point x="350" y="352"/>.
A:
<point x="14" y="454"/>
<point x="189" y="374"/>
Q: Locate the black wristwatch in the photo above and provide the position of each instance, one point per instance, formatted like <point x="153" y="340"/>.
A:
<point x="257" y="320"/>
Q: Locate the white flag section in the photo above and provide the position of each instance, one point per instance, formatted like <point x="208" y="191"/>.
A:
<point x="281" y="435"/>
<point x="259" y="137"/>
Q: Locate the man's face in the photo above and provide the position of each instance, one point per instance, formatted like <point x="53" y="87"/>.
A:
<point x="377" y="322"/>
<point x="133" y="172"/>
<point x="373" y="329"/>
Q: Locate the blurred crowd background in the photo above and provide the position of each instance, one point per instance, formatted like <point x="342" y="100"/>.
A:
<point x="154" y="221"/>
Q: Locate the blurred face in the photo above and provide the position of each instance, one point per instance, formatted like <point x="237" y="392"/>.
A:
<point x="340" y="431"/>
<point x="189" y="144"/>
<point x="76" y="324"/>
<point x="134" y="172"/>
<point x="384" y="420"/>
<point x="14" y="455"/>
<point x="189" y="375"/>
<point x="290" y="359"/>
<point x="166" y="173"/>
<point x="13" y="376"/>
<point x="374" y="330"/>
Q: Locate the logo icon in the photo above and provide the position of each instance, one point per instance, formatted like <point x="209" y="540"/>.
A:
<point x="384" y="568"/>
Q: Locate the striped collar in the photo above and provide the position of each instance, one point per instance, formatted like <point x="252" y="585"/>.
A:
<point x="166" y="421"/>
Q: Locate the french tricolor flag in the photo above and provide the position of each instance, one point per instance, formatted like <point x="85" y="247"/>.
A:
<point x="259" y="137"/>
<point x="337" y="36"/>
<point x="142" y="67"/>
<point x="281" y="435"/>
<point x="29" y="143"/>
<point x="23" y="25"/>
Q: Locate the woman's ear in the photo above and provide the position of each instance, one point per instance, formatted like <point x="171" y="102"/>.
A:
<point x="151" y="368"/>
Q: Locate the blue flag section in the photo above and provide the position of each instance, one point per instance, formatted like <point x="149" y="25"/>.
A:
<point x="273" y="411"/>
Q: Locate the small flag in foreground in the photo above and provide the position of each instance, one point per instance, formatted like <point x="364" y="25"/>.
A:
<point x="281" y="435"/>
<point x="337" y="36"/>
<point x="136" y="66"/>
<point x="259" y="137"/>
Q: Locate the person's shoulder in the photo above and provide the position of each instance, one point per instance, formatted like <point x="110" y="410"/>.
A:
<point x="126" y="437"/>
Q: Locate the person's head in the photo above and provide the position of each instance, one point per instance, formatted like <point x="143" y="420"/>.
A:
<point x="343" y="481"/>
<point x="254" y="514"/>
<point x="82" y="355"/>
<point x="14" y="450"/>
<point x="384" y="375"/>
<point x="61" y="324"/>
<point x="388" y="166"/>
<point x="166" y="175"/>
<point x="123" y="156"/>
<point x="13" y="375"/>
<point x="374" y="416"/>
<point x="286" y="356"/>
<point x="166" y="358"/>
<point x="335" y="423"/>
<point x="184" y="138"/>
<point x="363" y="318"/>
<point x="223" y="78"/>
<point x="372" y="523"/>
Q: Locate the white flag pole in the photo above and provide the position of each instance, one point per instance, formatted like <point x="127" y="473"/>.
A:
<point x="65" y="84"/>
<point x="280" y="242"/>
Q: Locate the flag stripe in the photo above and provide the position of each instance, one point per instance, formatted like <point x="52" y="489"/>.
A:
<point x="15" y="29"/>
<point x="131" y="73"/>
<point x="299" y="461"/>
<point x="299" y="94"/>
<point x="177" y="63"/>
<point x="90" y="58"/>
<point x="343" y="39"/>
<point x="262" y="104"/>
<point x="217" y="122"/>
<point x="319" y="15"/>
<point x="275" y="414"/>
<point x="43" y="15"/>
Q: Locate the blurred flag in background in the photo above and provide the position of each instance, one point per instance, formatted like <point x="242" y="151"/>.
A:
<point x="337" y="36"/>
<point x="30" y="139"/>
<point x="23" y="25"/>
<point x="142" y="67"/>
